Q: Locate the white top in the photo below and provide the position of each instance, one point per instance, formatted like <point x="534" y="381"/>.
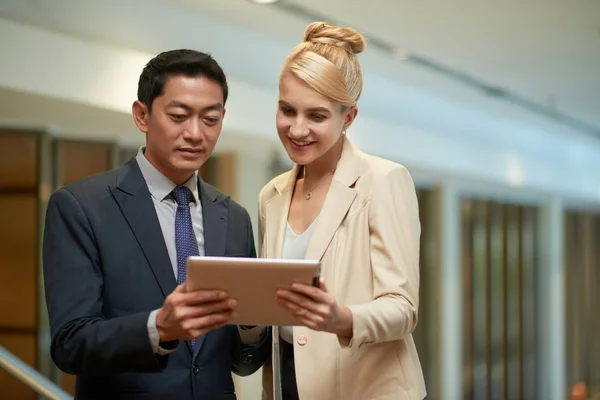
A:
<point x="294" y="248"/>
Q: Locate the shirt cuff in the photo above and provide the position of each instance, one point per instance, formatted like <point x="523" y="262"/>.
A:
<point x="155" y="337"/>
<point x="251" y="335"/>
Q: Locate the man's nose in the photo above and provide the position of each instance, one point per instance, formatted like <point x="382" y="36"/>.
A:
<point x="193" y="131"/>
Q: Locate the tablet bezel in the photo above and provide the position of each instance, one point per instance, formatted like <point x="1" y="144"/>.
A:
<point x="253" y="282"/>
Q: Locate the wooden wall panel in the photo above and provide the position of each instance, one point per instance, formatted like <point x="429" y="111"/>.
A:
<point x="427" y="332"/>
<point x="18" y="254"/>
<point x="225" y="173"/>
<point x="125" y="154"/>
<point x="67" y="383"/>
<point x="468" y="254"/>
<point x="514" y="299"/>
<point x="582" y="298"/>
<point x="79" y="159"/>
<point x="18" y="161"/>
<point x="24" y="347"/>
<point x="18" y="262"/>
<point x="206" y="171"/>
<point x="499" y="242"/>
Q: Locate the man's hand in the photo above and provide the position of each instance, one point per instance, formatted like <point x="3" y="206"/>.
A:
<point x="188" y="315"/>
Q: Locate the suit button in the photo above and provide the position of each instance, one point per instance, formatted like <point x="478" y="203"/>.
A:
<point x="195" y="370"/>
<point x="302" y="339"/>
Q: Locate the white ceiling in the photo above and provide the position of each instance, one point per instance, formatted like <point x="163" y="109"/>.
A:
<point x="546" y="51"/>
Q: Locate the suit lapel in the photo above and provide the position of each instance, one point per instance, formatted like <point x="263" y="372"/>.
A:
<point x="339" y="198"/>
<point x="214" y="216"/>
<point x="135" y="202"/>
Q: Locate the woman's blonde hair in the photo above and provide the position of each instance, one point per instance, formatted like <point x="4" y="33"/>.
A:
<point x="326" y="61"/>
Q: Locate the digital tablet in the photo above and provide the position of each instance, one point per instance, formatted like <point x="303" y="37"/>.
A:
<point x="253" y="282"/>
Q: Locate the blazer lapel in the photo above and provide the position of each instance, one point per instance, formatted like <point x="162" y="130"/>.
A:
<point x="336" y="206"/>
<point x="214" y="216"/>
<point x="339" y="198"/>
<point x="132" y="195"/>
<point x="277" y="209"/>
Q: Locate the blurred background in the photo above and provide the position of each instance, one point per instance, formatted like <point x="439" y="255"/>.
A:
<point x="493" y="106"/>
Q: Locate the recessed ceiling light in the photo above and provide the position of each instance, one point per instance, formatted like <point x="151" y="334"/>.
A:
<point x="264" y="1"/>
<point x="400" y="54"/>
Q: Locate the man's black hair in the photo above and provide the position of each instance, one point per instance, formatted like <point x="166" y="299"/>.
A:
<point x="185" y="62"/>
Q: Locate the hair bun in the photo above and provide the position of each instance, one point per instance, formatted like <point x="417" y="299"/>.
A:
<point x="325" y="33"/>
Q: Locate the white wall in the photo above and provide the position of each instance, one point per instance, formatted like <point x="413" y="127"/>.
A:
<point x="63" y="67"/>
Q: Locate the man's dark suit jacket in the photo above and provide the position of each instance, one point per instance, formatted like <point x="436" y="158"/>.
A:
<point x="106" y="267"/>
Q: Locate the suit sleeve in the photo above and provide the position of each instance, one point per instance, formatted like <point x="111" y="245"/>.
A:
<point x="249" y="357"/>
<point x="394" y="245"/>
<point x="83" y="340"/>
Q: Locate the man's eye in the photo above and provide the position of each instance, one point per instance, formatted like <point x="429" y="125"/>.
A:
<point x="212" y="120"/>
<point x="177" y="116"/>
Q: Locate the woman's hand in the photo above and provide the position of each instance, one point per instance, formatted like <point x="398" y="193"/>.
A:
<point x="316" y="309"/>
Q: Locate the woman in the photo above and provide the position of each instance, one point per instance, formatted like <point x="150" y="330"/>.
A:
<point x="356" y="213"/>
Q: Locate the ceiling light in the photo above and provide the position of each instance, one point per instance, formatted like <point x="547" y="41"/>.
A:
<point x="515" y="172"/>
<point x="400" y="54"/>
<point x="264" y="1"/>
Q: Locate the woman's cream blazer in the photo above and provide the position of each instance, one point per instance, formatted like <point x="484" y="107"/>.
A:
<point x="367" y="238"/>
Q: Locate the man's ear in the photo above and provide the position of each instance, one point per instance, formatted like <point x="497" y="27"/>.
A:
<point x="141" y="115"/>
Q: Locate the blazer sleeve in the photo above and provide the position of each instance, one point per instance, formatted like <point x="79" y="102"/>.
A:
<point x="249" y="357"/>
<point x="394" y="245"/>
<point x="83" y="340"/>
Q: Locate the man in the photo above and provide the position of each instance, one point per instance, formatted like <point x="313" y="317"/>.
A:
<point x="116" y="245"/>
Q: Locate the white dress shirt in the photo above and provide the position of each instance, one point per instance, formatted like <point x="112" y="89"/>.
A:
<point x="160" y="188"/>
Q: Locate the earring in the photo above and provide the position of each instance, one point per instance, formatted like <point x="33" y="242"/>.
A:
<point x="344" y="132"/>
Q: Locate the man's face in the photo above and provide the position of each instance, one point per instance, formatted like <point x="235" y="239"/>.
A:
<point x="183" y="127"/>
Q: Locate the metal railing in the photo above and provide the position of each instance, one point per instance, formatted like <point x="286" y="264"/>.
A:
<point x="32" y="378"/>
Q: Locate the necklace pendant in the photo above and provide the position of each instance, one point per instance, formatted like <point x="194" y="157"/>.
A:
<point x="308" y="195"/>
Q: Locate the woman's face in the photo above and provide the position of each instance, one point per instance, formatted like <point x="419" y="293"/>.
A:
<point x="308" y="123"/>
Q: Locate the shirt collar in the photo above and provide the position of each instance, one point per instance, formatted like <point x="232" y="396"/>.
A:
<point x="160" y="186"/>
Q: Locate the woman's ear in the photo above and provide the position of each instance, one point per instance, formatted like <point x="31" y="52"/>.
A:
<point x="140" y="115"/>
<point x="350" y="117"/>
